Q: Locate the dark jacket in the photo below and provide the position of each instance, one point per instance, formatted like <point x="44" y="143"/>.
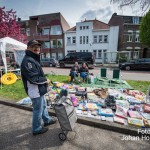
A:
<point x="77" y="69"/>
<point x="84" y="69"/>
<point x="34" y="80"/>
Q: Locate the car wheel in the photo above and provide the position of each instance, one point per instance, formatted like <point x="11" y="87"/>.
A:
<point x="62" y="65"/>
<point x="50" y="65"/>
<point x="127" y="68"/>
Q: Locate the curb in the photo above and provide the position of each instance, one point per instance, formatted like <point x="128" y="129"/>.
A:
<point x="86" y="121"/>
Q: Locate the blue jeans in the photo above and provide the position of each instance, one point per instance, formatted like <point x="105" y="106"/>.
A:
<point x="73" y="75"/>
<point x="83" y="75"/>
<point x="39" y="112"/>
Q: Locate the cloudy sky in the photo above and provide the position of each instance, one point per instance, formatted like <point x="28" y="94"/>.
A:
<point x="72" y="10"/>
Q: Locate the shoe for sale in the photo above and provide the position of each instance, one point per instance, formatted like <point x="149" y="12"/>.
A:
<point x="43" y="130"/>
<point x="53" y="120"/>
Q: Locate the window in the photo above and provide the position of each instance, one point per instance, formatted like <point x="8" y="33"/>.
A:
<point x="59" y="43"/>
<point x="73" y="40"/>
<point x="80" y="39"/>
<point x="56" y="30"/>
<point x="99" y="53"/>
<point x="45" y="31"/>
<point x="83" y="50"/>
<point x="87" y="39"/>
<point x="46" y="44"/>
<point x="105" y="53"/>
<point x="80" y="50"/>
<point x="60" y="55"/>
<point x="137" y="38"/>
<point x="105" y="38"/>
<point x="135" y="20"/>
<point x="135" y="54"/>
<point x="68" y="40"/>
<point x="129" y="36"/>
<point x="95" y="39"/>
<point x="53" y="43"/>
<point x="80" y="27"/>
<point x="94" y="52"/>
<point x="86" y="50"/>
<point x="27" y="23"/>
<point x="100" y="38"/>
<point x="87" y="27"/>
<point x="83" y="39"/>
<point x="83" y="27"/>
<point x="47" y="55"/>
<point x="54" y="55"/>
<point x="28" y="31"/>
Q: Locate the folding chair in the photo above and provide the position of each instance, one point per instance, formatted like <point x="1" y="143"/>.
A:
<point x="102" y="77"/>
<point x="116" y="74"/>
<point x="103" y="73"/>
<point x="116" y="77"/>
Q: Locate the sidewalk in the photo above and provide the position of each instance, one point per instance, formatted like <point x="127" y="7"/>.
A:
<point x="15" y="133"/>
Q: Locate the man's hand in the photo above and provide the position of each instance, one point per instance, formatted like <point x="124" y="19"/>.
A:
<point x="48" y="81"/>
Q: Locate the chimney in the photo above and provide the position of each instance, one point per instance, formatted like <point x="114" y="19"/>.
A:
<point x="115" y="14"/>
<point x="19" y="19"/>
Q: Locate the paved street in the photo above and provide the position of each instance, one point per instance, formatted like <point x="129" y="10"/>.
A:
<point x="125" y="75"/>
<point x="15" y="134"/>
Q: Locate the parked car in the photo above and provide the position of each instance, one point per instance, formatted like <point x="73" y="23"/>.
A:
<point x="139" y="64"/>
<point x="49" y="62"/>
<point x="80" y="57"/>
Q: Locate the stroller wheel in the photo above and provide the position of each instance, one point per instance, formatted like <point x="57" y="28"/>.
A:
<point x="62" y="136"/>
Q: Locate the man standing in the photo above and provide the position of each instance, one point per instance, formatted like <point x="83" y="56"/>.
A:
<point x="36" y="86"/>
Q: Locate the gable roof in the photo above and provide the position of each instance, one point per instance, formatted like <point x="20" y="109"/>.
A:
<point x="96" y="25"/>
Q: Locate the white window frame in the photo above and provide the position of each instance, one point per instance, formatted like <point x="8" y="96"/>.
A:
<point x="68" y="40"/>
<point x="95" y="39"/>
<point x="105" y="38"/>
<point x="99" y="53"/>
<point x="80" y="39"/>
<point x="73" y="40"/>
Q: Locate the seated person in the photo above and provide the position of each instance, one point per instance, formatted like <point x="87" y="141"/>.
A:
<point x="84" y="71"/>
<point x="74" y="71"/>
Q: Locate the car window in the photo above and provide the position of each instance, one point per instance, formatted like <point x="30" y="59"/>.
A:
<point x="147" y="60"/>
<point x="141" y="60"/>
<point x="68" y="55"/>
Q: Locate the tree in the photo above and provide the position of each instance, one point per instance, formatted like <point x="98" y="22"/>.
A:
<point x="145" y="30"/>
<point x="9" y="27"/>
<point x="144" y="4"/>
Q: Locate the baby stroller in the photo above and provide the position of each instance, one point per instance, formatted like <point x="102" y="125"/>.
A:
<point x="65" y="113"/>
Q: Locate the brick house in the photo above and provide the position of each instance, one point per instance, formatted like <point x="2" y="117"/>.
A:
<point x="129" y="35"/>
<point x="49" y="30"/>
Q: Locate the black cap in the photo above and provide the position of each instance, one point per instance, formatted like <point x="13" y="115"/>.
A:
<point x="33" y="42"/>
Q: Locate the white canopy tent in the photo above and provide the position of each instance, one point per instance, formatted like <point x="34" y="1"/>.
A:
<point x="9" y="44"/>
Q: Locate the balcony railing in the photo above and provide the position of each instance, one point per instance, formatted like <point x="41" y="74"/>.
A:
<point x="41" y="37"/>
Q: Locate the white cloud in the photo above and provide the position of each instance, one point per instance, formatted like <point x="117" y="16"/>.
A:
<point x="100" y="14"/>
<point x="103" y="10"/>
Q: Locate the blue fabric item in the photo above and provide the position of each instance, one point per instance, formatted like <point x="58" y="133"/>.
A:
<point x="39" y="112"/>
<point x="73" y="75"/>
<point x="83" y="75"/>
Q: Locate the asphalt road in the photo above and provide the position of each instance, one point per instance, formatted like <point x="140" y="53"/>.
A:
<point x="15" y="134"/>
<point x="125" y="75"/>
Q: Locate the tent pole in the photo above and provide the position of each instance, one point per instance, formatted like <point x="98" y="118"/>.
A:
<point x="0" y="78"/>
